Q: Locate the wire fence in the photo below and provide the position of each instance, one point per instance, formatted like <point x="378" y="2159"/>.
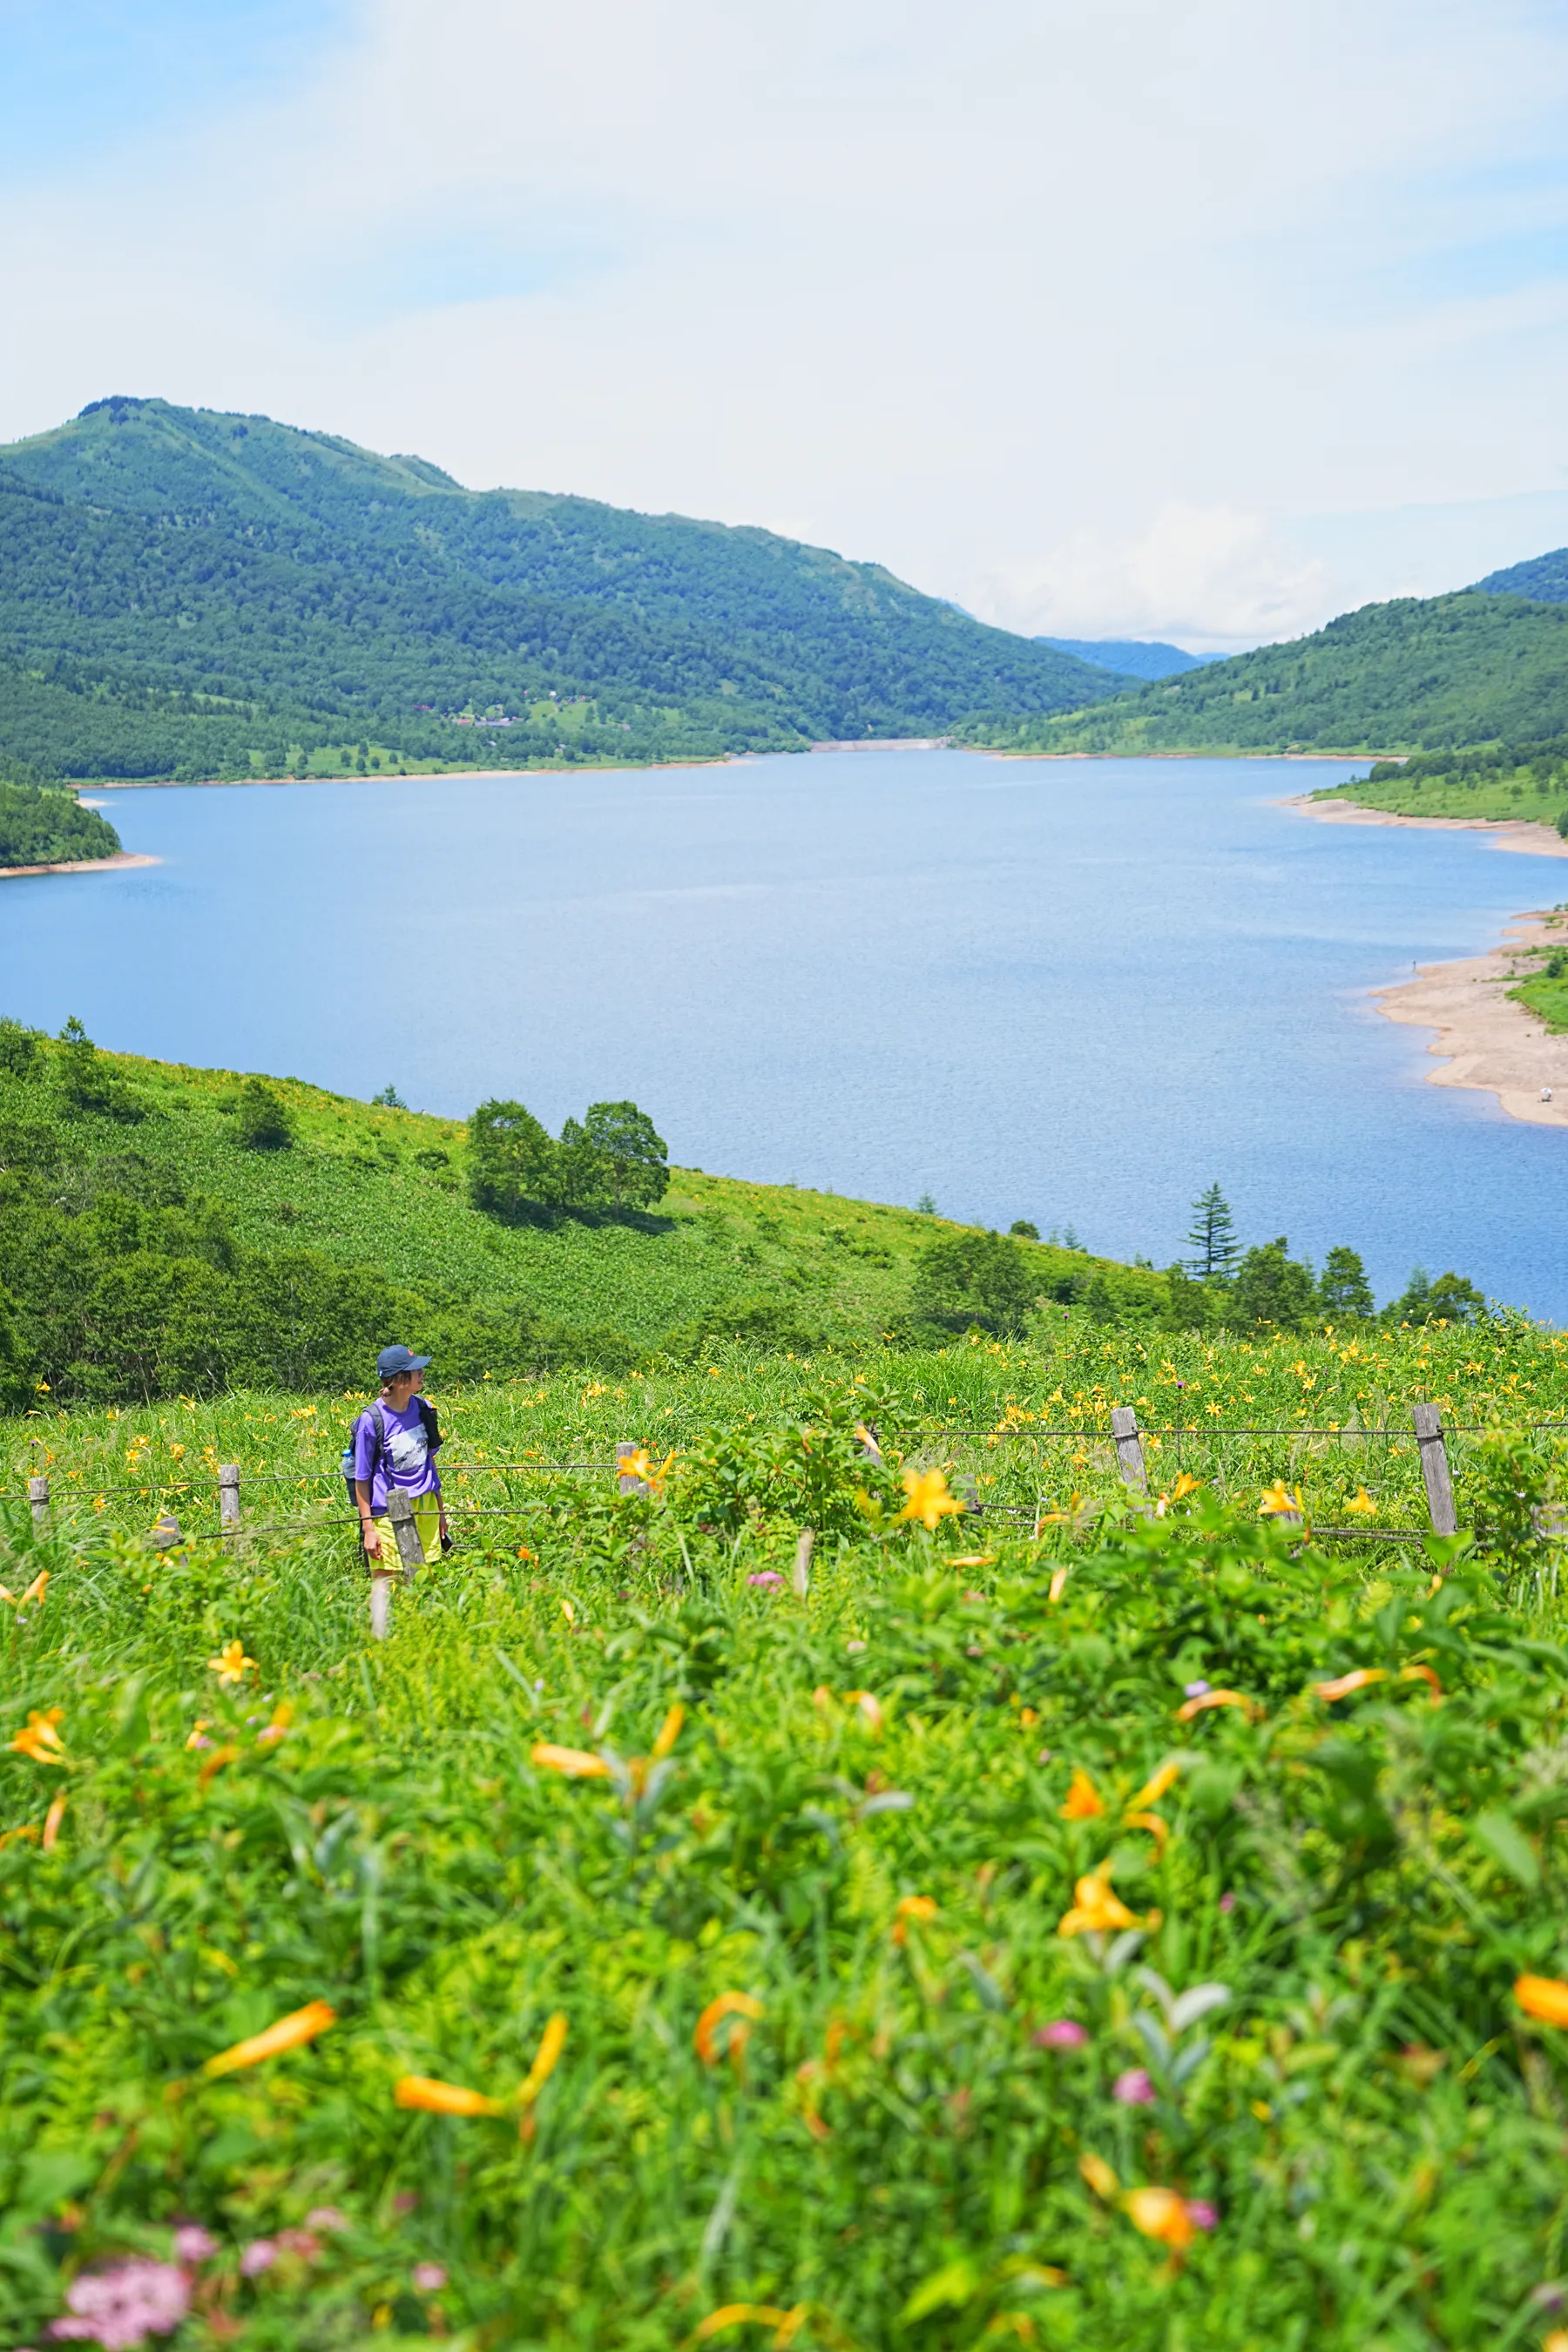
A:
<point x="1016" y="1471"/>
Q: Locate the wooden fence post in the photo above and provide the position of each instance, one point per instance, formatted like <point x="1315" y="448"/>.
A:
<point x="627" y="1449"/>
<point x="1434" y="1451"/>
<point x="411" y="1551"/>
<point x="1129" y="1447"/>
<point x="803" y="1562"/>
<point x="38" y="1496"/>
<point x="228" y="1498"/>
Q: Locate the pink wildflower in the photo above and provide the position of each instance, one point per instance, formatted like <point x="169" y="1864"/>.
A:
<point x="1201" y="2214"/>
<point x="1227" y="1901"/>
<point x="1061" y="2034"/>
<point x="1134" y="2089"/>
<point x="120" y="2308"/>
<point x="326" y="2217"/>
<point x="192" y="2243"/>
<point x="299" y="2241"/>
<point x="429" y="2277"/>
<point x="770" y="1579"/>
<point x="259" y="2256"/>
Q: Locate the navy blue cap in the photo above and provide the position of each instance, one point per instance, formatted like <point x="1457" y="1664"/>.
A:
<point x="393" y="1361"/>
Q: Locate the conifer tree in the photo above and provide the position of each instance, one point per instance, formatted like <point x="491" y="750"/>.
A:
<point x="1211" y="1238"/>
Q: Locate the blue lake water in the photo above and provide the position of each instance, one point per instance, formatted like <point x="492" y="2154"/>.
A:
<point x="1074" y="992"/>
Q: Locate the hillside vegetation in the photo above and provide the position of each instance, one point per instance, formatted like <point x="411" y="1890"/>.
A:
<point x="190" y="593"/>
<point x="42" y="824"/>
<point x="1416" y="673"/>
<point x="1058" y="1926"/>
<point x="1502" y="781"/>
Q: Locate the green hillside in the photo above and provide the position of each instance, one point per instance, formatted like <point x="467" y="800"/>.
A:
<point x="1496" y="780"/>
<point x="1543" y="577"/>
<point x="42" y="824"/>
<point x="1419" y="672"/>
<point x="165" y="1231"/>
<point x="185" y="593"/>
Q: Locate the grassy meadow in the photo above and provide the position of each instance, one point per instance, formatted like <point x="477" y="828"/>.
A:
<point x="1062" y="1923"/>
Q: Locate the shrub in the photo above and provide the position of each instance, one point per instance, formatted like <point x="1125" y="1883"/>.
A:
<point x="978" y="1281"/>
<point x="262" y="1120"/>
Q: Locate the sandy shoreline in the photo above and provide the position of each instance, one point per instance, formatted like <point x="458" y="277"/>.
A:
<point x="1522" y="832"/>
<point x="85" y="865"/>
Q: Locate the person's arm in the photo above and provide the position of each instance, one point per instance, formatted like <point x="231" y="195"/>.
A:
<point x="368" y="1532"/>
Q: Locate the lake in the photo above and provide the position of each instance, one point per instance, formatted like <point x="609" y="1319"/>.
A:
<point x="1072" y="991"/>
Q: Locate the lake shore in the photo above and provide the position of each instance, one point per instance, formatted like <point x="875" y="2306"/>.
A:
<point x="1486" y="1042"/>
<point x="1518" y="832"/>
<point x="117" y="864"/>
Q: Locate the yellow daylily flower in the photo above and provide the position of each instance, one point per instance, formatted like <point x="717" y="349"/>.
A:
<point x="301" y="2025"/>
<point x="1097" y="1908"/>
<point x="52" y="1820"/>
<point x="918" y="1908"/>
<point x="1098" y="2176"/>
<point x="1361" y="1502"/>
<point x="1159" y="1830"/>
<point x="1154" y="1789"/>
<point x="668" y="1733"/>
<point x="231" y="1665"/>
<point x="575" y="1762"/>
<point x="437" y="2098"/>
<point x="1278" y="1501"/>
<point x="36" y="1590"/>
<point x="927" y="1500"/>
<point x="1357" y="1679"/>
<point x="552" y="2042"/>
<point x="1201" y="1705"/>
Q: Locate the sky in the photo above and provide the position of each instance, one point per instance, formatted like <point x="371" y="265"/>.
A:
<point x="1199" y="319"/>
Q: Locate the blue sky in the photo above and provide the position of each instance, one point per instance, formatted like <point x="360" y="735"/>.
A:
<point x="1193" y="319"/>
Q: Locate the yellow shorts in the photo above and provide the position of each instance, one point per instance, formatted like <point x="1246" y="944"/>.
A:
<point x="427" y="1526"/>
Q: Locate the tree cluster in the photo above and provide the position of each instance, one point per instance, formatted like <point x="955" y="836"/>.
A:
<point x="611" y="1158"/>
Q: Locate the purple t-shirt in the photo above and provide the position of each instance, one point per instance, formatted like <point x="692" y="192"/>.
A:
<point x="407" y="1460"/>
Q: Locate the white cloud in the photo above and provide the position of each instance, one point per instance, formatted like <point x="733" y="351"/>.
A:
<point x="1052" y="298"/>
<point x="1205" y="577"/>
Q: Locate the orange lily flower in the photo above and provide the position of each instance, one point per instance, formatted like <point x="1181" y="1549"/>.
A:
<point x="216" y="1760"/>
<point x="1422" y="1674"/>
<point x="1158" y="1828"/>
<point x="576" y="1762"/>
<point x="918" y="1908"/>
<point x="1058" y="1585"/>
<point x="1084" y="1803"/>
<point x="552" y="2042"/>
<point x="436" y="2098"/>
<point x="1200" y="1705"/>
<point x="1161" y="2214"/>
<point x="1546" y="1998"/>
<point x="1357" y="1679"/>
<point x="36" y="1590"/>
<point x="1097" y="1908"/>
<point x="40" y="1740"/>
<point x="52" y="1820"/>
<point x="740" y="2005"/>
<point x="927" y="1500"/>
<point x="871" y="1708"/>
<point x="300" y="2026"/>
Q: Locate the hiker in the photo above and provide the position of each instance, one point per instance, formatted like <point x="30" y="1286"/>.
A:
<point x="395" y="1444"/>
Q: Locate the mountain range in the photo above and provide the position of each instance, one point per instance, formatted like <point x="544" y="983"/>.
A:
<point x="187" y="593"/>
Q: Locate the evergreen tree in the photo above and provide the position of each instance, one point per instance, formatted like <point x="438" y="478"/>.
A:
<point x="1344" y="1291"/>
<point x="1212" y="1239"/>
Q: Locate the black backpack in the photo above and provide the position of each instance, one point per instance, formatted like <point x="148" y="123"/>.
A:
<point x="378" y="1422"/>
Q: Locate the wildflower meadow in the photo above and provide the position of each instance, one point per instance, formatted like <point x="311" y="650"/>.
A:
<point x="1031" y="1911"/>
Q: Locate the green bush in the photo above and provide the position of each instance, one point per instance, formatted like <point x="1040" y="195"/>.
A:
<point x="980" y="1281"/>
<point x="262" y="1120"/>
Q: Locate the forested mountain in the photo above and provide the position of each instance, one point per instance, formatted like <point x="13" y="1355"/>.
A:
<point x="1131" y="656"/>
<point x="1544" y="577"/>
<point x="1419" y="672"/>
<point x="188" y="593"/>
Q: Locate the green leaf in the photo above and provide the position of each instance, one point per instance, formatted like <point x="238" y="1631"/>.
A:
<point x="1501" y="1838"/>
<point x="948" y="2289"/>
